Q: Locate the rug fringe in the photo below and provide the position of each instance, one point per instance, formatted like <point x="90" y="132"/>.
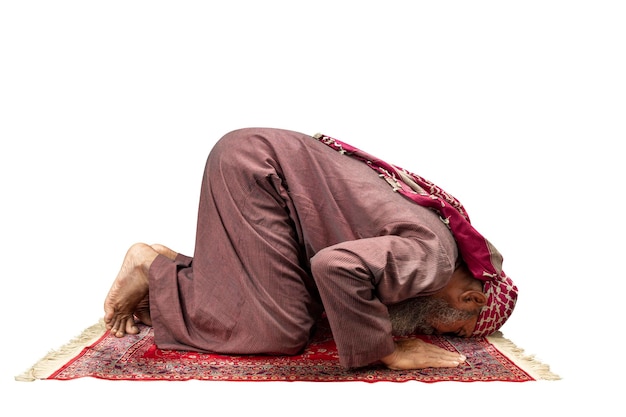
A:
<point x="57" y="358"/>
<point x="528" y="363"/>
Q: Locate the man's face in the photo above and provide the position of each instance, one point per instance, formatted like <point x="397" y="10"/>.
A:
<point x="430" y="315"/>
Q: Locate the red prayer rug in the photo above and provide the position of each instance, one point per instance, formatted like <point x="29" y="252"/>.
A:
<point x="135" y="357"/>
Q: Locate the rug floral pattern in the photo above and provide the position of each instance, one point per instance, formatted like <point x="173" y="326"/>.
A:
<point x="135" y="357"/>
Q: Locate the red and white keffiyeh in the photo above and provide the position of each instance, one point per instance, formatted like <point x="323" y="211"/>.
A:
<point x="482" y="258"/>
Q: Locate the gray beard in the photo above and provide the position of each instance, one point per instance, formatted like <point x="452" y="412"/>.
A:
<point x="419" y="315"/>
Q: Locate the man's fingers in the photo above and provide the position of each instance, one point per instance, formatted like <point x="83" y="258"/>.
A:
<point x="416" y="354"/>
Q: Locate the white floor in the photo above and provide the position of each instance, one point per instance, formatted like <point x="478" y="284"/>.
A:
<point x="108" y="113"/>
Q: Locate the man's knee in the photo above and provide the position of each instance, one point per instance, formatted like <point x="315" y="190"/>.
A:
<point x="288" y="345"/>
<point x="287" y="338"/>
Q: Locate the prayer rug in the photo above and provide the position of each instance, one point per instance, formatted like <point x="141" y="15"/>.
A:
<point x="97" y="354"/>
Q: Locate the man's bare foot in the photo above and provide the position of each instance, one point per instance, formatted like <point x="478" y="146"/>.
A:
<point x="165" y="251"/>
<point x="142" y="313"/>
<point x="129" y="293"/>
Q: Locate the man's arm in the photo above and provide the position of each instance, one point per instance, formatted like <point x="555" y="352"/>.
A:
<point x="355" y="277"/>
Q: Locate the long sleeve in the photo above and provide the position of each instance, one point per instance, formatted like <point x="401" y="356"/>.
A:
<point x="356" y="279"/>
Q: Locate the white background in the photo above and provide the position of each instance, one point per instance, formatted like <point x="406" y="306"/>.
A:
<point x="108" y="110"/>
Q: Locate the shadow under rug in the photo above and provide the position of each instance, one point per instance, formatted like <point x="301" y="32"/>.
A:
<point x="97" y="354"/>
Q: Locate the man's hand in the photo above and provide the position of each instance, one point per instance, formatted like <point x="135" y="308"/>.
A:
<point x="417" y="354"/>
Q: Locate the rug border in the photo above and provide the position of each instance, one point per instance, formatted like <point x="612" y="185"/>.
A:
<point x="56" y="359"/>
